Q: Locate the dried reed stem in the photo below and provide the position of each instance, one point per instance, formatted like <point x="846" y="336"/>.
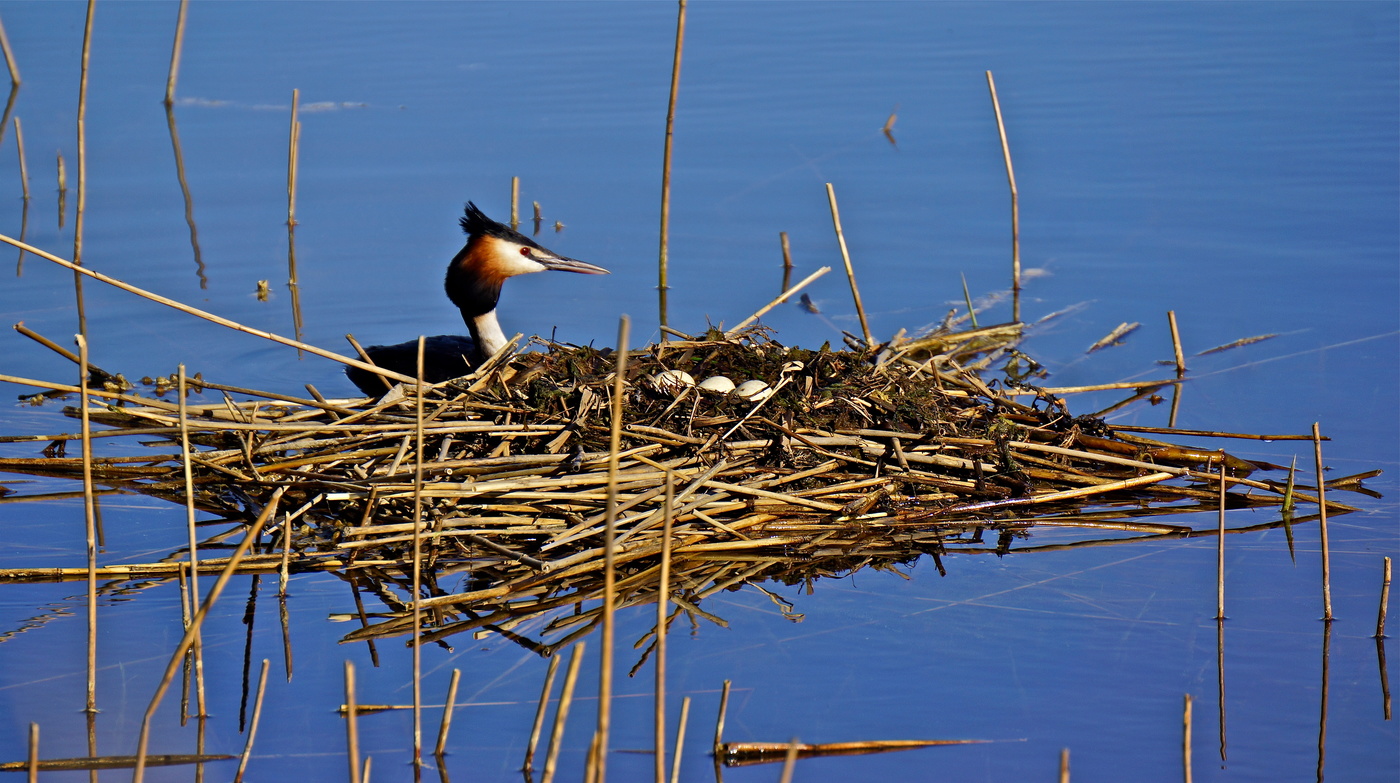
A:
<point x="781" y="298"/>
<point x="23" y="165"/>
<point x="850" y="272"/>
<point x="194" y="311"/>
<point x="1176" y="345"/>
<point x="293" y="141"/>
<point x="90" y="518"/>
<point x="193" y="536"/>
<point x="82" y="168"/>
<point x="188" y="640"/>
<point x="1322" y="526"/>
<point x="790" y="761"/>
<point x="1064" y="765"/>
<point x="9" y="57"/>
<point x="1220" y="548"/>
<point x="718" y="749"/>
<point x="561" y="716"/>
<point x="680" y="740"/>
<point x="514" y="202"/>
<point x="1015" y="203"/>
<point x="540" y="711"/>
<point x="447" y="709"/>
<point x="1186" y="739"/>
<point x="664" y="258"/>
<point x="175" y="67"/>
<point x="1385" y="602"/>
<point x="253" y="724"/>
<point x="352" y="728"/>
<point x="418" y="446"/>
<point x="663" y="590"/>
<point x="605" y="675"/>
<point x="33" y="727"/>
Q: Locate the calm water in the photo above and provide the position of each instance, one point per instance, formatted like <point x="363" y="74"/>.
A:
<point x="1236" y="163"/>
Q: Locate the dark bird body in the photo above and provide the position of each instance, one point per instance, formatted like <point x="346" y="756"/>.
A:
<point x="493" y="252"/>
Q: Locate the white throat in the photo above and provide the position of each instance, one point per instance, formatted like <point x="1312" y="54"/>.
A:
<point x="487" y="332"/>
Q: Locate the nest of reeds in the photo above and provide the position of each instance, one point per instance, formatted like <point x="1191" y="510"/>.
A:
<point x="839" y="460"/>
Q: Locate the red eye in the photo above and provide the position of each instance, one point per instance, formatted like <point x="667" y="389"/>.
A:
<point x="525" y="251"/>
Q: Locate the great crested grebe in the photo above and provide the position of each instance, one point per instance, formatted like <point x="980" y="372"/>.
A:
<point x="494" y="252"/>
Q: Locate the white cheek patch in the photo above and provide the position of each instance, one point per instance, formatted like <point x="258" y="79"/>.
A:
<point x="509" y="261"/>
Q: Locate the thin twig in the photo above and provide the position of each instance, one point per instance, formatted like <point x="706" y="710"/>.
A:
<point x="1015" y="203"/>
<point x="781" y="298"/>
<point x="1322" y="527"/>
<point x="850" y="271"/>
<point x="663" y="285"/>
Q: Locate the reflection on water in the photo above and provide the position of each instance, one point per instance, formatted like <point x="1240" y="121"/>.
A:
<point x="1247" y="192"/>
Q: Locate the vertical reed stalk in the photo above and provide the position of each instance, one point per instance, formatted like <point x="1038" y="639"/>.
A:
<point x="181" y="390"/>
<point x="787" y="260"/>
<point x="1220" y="548"/>
<point x="1064" y="765"/>
<point x="253" y="724"/>
<point x="33" y="727"/>
<point x="663" y="591"/>
<point x="1186" y="739"/>
<point x="850" y="272"/>
<point x="82" y="168"/>
<point x="293" y="142"/>
<point x="23" y="165"/>
<point x="1015" y="204"/>
<point x="543" y="707"/>
<point x="789" y="762"/>
<point x="561" y="716"/>
<point x="352" y="728"/>
<point x="447" y="710"/>
<point x="1176" y="344"/>
<point x="1322" y="526"/>
<point x="9" y="57"/>
<point x="419" y="389"/>
<point x="90" y="516"/>
<point x="184" y="646"/>
<point x="664" y="257"/>
<point x="605" y="675"/>
<point x="175" y="54"/>
<point x="1385" y="602"/>
<point x="680" y="740"/>
<point x="515" y="202"/>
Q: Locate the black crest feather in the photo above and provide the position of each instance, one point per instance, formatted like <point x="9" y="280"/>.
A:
<point x="475" y="223"/>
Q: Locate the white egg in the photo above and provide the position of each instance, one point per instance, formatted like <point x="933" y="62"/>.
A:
<point x="672" y="382"/>
<point x="757" y="391"/>
<point x="717" y="384"/>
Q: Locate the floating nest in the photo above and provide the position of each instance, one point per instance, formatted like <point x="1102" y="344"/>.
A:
<point x="836" y="461"/>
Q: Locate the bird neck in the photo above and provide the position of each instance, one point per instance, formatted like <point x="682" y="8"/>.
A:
<point x="486" y="331"/>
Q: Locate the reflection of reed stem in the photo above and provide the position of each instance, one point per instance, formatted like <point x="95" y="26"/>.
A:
<point x="1385" y="601"/>
<point x="23" y="166"/>
<point x="253" y="725"/>
<point x="540" y="711"/>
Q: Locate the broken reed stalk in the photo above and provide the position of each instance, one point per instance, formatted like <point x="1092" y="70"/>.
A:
<point x="418" y="446"/>
<point x="663" y="590"/>
<point x="1385" y="602"/>
<point x="680" y="740"/>
<point x="850" y="272"/>
<point x="1322" y="526"/>
<point x="90" y="520"/>
<point x="447" y="708"/>
<point x="540" y="711"/>
<point x="561" y="716"/>
<point x="293" y="141"/>
<point x="787" y="260"/>
<point x="9" y="57"/>
<point x="196" y="312"/>
<point x="23" y="166"/>
<point x="175" y="63"/>
<point x="1220" y="548"/>
<point x="33" y="733"/>
<point x="1064" y="765"/>
<point x="783" y="297"/>
<point x="253" y="723"/>
<point x="352" y="728"/>
<point x="188" y="639"/>
<point x="1176" y="344"/>
<point x="663" y="260"/>
<point x="1015" y="204"/>
<point x="82" y="167"/>
<point x="790" y="761"/>
<point x="605" y="675"/>
<point x="1186" y="739"/>
<point x="718" y="749"/>
<point x="515" y="202"/>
